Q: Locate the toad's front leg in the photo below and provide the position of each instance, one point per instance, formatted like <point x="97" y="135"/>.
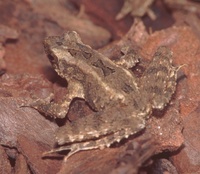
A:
<point x="129" y="59"/>
<point x="60" y="109"/>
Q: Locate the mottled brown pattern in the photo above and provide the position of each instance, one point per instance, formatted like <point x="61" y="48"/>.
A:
<point x="121" y="101"/>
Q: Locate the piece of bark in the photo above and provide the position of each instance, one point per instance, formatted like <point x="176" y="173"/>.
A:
<point x="57" y="13"/>
<point x="191" y="19"/>
<point x="163" y="166"/>
<point x="23" y="121"/>
<point x="188" y="159"/>
<point x="166" y="129"/>
<point x="17" y="120"/>
<point x="186" y="6"/>
<point x="2" y="61"/>
<point x="103" y="12"/>
<point x="21" y="166"/>
<point x="135" y="155"/>
<point x="5" y="166"/>
<point x="32" y="151"/>
<point x="25" y="128"/>
<point x="136" y="8"/>
<point x="7" y="33"/>
<point x="185" y="46"/>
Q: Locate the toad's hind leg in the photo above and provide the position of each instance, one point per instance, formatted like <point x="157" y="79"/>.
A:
<point x="89" y="145"/>
<point x="101" y="143"/>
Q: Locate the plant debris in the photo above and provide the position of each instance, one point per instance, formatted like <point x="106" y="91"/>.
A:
<point x="169" y="143"/>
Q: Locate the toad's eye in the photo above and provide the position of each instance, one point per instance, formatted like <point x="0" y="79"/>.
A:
<point x="59" y="43"/>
